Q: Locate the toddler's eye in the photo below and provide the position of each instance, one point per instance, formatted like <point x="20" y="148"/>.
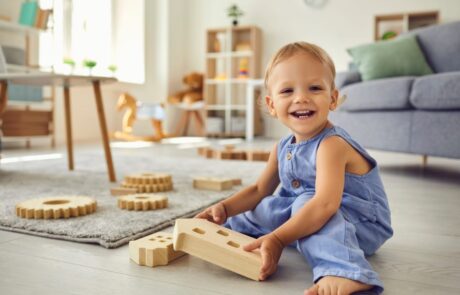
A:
<point x="286" y="91"/>
<point x="315" y="88"/>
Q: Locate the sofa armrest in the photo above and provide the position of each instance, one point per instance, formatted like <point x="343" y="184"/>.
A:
<point x="343" y="79"/>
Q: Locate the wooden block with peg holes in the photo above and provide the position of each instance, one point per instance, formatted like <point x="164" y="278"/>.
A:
<point x="153" y="250"/>
<point x="212" y="183"/>
<point x="218" y="245"/>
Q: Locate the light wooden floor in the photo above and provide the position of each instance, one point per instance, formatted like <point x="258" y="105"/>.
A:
<point x="422" y="258"/>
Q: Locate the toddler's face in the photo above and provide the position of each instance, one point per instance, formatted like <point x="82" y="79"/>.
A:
<point x="300" y="95"/>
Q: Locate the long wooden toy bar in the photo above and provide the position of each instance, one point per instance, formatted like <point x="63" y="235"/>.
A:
<point x="218" y="245"/>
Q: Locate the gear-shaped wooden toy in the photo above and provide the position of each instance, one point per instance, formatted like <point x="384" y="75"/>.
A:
<point x="144" y="183"/>
<point x="142" y="202"/>
<point x="56" y="207"/>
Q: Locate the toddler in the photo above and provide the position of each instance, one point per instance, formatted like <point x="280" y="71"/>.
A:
<point x="331" y="202"/>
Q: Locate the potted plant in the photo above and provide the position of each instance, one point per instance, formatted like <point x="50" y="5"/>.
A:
<point x="70" y="63"/>
<point x="112" y="69"/>
<point x="234" y="12"/>
<point x="90" y="64"/>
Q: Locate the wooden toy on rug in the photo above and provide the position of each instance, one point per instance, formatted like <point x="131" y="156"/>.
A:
<point x="56" y="207"/>
<point x="122" y="191"/>
<point x="230" y="153"/>
<point x="153" y="250"/>
<point x="212" y="183"/>
<point x="237" y="181"/>
<point x="144" y="183"/>
<point x="218" y="245"/>
<point x="257" y="155"/>
<point x="142" y="202"/>
<point x="137" y="110"/>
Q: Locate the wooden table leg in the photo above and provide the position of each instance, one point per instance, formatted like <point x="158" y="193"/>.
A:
<point x="200" y="122"/>
<point x="182" y="126"/>
<point x="104" y="133"/>
<point x="68" y="127"/>
<point x="3" y="97"/>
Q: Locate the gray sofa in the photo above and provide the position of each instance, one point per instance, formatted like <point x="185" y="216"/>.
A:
<point x="419" y="115"/>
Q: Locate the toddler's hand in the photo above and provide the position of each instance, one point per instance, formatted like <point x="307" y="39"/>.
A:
<point x="216" y="213"/>
<point x="270" y="250"/>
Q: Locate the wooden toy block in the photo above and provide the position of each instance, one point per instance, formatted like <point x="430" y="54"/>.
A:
<point x="56" y="207"/>
<point x="217" y="245"/>
<point x="153" y="250"/>
<point x="212" y="183"/>
<point x="202" y="151"/>
<point x="257" y="155"/>
<point x="229" y="147"/>
<point x="238" y="155"/>
<point x="223" y="155"/>
<point x="121" y="191"/>
<point x="237" y="181"/>
<point x="142" y="202"/>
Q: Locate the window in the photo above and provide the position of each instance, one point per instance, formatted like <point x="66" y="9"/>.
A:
<point x="85" y="29"/>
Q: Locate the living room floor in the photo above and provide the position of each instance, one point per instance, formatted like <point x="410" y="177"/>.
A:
<point x="423" y="257"/>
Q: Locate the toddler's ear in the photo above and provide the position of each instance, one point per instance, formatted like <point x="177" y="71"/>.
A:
<point x="270" y="105"/>
<point x="334" y="100"/>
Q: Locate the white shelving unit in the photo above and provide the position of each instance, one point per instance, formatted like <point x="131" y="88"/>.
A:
<point x="233" y="57"/>
<point x="26" y="119"/>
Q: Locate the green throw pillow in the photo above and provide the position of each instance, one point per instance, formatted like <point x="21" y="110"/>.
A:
<point x="398" y="57"/>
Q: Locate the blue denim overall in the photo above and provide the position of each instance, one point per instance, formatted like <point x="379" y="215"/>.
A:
<point x="359" y="227"/>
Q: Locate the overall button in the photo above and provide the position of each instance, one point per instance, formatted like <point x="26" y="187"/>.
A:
<point x="295" y="183"/>
<point x="289" y="155"/>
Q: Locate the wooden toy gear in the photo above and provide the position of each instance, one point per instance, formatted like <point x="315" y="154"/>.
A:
<point x="56" y="207"/>
<point x="149" y="182"/>
<point x="142" y="202"/>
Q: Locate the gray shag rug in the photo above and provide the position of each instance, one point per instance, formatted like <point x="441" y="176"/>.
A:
<point x="110" y="226"/>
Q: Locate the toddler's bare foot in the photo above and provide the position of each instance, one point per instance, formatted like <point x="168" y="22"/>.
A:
<point x="336" y="286"/>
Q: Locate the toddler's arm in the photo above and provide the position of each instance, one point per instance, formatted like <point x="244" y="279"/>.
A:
<point x="249" y="197"/>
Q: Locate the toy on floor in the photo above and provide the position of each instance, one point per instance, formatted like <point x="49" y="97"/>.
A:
<point x="153" y="250"/>
<point x="218" y="245"/>
<point x="212" y="183"/>
<point x="56" y="207"/>
<point x="142" y="202"/>
<point x="137" y="110"/>
<point x="144" y="183"/>
<point x="230" y="153"/>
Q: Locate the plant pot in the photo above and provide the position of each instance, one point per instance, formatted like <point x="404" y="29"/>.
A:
<point x="235" y="22"/>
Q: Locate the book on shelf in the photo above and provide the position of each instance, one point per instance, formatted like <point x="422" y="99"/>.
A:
<point x="28" y="13"/>
<point x="42" y="18"/>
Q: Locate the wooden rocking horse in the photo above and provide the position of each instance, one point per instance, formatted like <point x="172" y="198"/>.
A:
<point x="138" y="110"/>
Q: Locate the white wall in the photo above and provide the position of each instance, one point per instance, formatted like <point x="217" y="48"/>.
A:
<point x="338" y="25"/>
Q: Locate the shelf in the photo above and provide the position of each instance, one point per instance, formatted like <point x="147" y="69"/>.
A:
<point x="233" y="54"/>
<point x="223" y="107"/>
<point x="17" y="28"/>
<point x="391" y="25"/>
<point x="226" y="81"/>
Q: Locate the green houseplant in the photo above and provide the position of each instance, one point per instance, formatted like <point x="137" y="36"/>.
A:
<point x="234" y="12"/>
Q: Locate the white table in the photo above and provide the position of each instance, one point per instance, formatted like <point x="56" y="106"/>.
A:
<point x="65" y="81"/>
<point x="250" y="99"/>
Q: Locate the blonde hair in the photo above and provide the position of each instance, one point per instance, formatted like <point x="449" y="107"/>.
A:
<point x="300" y="47"/>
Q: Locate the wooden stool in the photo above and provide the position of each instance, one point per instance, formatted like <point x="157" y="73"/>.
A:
<point x="188" y="113"/>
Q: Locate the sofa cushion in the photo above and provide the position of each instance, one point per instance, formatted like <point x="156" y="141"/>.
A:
<point x="383" y="94"/>
<point x="441" y="45"/>
<point x="436" y="92"/>
<point x="343" y="79"/>
<point x="399" y="57"/>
